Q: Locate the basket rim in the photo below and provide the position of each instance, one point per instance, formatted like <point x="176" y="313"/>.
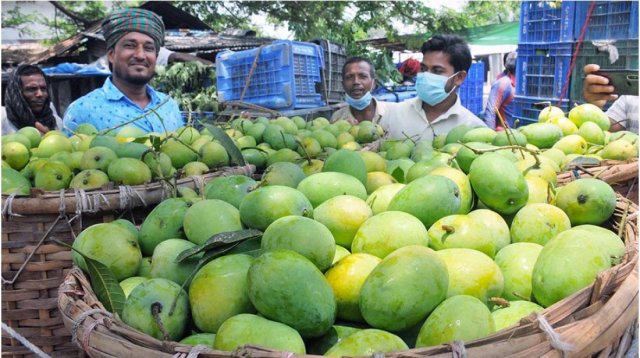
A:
<point x="587" y="307"/>
<point x="102" y="200"/>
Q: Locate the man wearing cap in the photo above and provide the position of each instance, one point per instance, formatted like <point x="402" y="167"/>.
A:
<point x="134" y="37"/>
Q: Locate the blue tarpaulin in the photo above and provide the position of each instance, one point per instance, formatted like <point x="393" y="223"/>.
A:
<point x="77" y="69"/>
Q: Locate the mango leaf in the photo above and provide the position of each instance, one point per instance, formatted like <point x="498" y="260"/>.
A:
<point x="398" y="174"/>
<point x="227" y="143"/>
<point x="156" y="142"/>
<point x="103" y="282"/>
<point x="142" y="140"/>
<point x="222" y="239"/>
<point x="217" y="252"/>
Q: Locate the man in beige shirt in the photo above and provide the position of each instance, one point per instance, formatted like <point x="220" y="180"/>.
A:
<point x="437" y="108"/>
<point x="358" y="80"/>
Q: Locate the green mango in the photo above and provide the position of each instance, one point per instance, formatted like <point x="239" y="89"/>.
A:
<point x="367" y="342"/>
<point x="498" y="183"/>
<point x="347" y="162"/>
<point x="458" y="318"/>
<point x="392" y="300"/>
<point x="164" y="222"/>
<point x="131" y="150"/>
<point x="244" y="329"/>
<point x="287" y="287"/>
<point x="223" y="281"/>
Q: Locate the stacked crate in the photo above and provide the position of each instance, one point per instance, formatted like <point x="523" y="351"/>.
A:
<point x="544" y="57"/>
<point x="549" y="34"/>
<point x="470" y="92"/>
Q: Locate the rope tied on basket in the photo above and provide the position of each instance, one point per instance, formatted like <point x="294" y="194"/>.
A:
<point x="458" y="349"/>
<point x="81" y="318"/>
<point x="87" y="331"/>
<point x="7" y="209"/>
<point x="554" y="337"/>
<point x="88" y="202"/>
<point x="377" y="355"/>
<point x="25" y="342"/>
<point x="194" y="352"/>
<point x="198" y="180"/>
<point x="287" y="354"/>
<point x="127" y="195"/>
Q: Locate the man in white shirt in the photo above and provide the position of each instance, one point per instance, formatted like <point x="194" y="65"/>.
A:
<point x="358" y="81"/>
<point x="623" y="113"/>
<point x="437" y="108"/>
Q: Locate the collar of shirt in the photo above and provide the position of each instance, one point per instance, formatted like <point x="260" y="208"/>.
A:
<point x="452" y="111"/>
<point x="114" y="94"/>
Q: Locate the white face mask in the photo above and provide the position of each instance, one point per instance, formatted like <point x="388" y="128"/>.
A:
<point x="360" y="103"/>
<point x="430" y="87"/>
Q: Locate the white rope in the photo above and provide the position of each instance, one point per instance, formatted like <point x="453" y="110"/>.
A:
<point x="377" y="355"/>
<point x="7" y="209"/>
<point x="63" y="205"/>
<point x="25" y="342"/>
<point x="199" y="182"/>
<point x="126" y="197"/>
<point x="196" y="350"/>
<point x="165" y="190"/>
<point x="608" y="46"/>
<point x="554" y="337"/>
<point x="458" y="349"/>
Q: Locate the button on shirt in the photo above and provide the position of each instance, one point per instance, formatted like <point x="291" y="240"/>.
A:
<point x="108" y="107"/>
<point x="408" y="119"/>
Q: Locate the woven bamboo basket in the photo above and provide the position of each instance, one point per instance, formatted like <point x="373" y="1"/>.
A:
<point x="621" y="175"/>
<point x="34" y="266"/>
<point x="598" y="320"/>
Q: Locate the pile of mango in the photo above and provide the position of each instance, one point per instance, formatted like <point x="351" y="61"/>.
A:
<point x="417" y="245"/>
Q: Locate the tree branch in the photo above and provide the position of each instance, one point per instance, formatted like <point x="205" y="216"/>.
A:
<point x="73" y="16"/>
<point x="401" y="11"/>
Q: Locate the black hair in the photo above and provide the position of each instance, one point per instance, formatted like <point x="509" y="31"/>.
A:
<point x="454" y="46"/>
<point x="504" y="58"/>
<point x="357" y="59"/>
<point x="28" y="70"/>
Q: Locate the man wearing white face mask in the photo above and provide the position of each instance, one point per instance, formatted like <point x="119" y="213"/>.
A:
<point x="358" y="80"/>
<point x="437" y="108"/>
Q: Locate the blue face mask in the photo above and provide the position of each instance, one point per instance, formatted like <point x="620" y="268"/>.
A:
<point x="430" y="87"/>
<point x="360" y="103"/>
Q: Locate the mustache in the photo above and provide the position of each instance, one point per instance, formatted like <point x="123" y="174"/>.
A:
<point x="143" y="63"/>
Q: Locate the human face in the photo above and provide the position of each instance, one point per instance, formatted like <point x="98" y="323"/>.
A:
<point x="357" y="79"/>
<point x="133" y="58"/>
<point x="34" y="91"/>
<point x="437" y="62"/>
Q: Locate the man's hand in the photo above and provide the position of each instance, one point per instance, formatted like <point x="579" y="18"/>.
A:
<point x="596" y="89"/>
<point x="41" y="127"/>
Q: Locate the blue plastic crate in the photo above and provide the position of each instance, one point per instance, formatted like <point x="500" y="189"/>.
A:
<point x="546" y="21"/>
<point x="287" y="75"/>
<point x="542" y="69"/>
<point x="610" y="20"/>
<point x="470" y="92"/>
<point x="526" y="112"/>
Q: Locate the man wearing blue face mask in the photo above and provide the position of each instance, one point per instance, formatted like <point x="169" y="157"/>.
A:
<point x="446" y="59"/>
<point x="358" y="80"/>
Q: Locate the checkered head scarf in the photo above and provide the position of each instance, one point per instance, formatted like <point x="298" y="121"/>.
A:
<point x="121" y="22"/>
